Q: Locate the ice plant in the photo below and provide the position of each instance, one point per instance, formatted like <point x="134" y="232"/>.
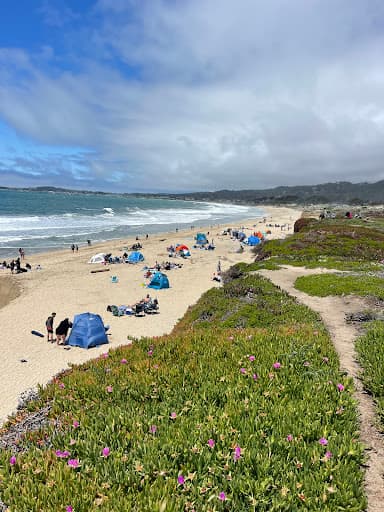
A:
<point x="12" y="460"/>
<point x="150" y="353"/>
<point x="61" y="385"/>
<point x="68" y="508"/>
<point x="328" y="455"/>
<point x="222" y="496"/>
<point x="104" y="355"/>
<point x="62" y="455"/>
<point x="109" y="389"/>
<point x="289" y="437"/>
<point x="243" y="370"/>
<point x="106" y="452"/>
<point x="251" y="358"/>
<point x="123" y="361"/>
<point x="73" y="463"/>
<point x="340" y="387"/>
<point x="211" y="443"/>
<point x="75" y="424"/>
<point x="153" y="429"/>
<point x="181" y="479"/>
<point x="323" y="441"/>
<point x="255" y="376"/>
<point x="277" y="365"/>
<point x="173" y="415"/>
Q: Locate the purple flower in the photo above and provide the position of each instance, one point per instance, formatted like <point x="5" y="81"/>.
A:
<point x="109" y="389"/>
<point x="12" y="460"/>
<point x="328" y="455"/>
<point x="289" y="437"/>
<point x="61" y="385"/>
<point x="236" y="453"/>
<point x="323" y="441"/>
<point x="276" y="365"/>
<point x="180" y="479"/>
<point x="243" y="370"/>
<point x="75" y="424"/>
<point x="106" y="452"/>
<point x="68" y="508"/>
<point x="153" y="429"/>
<point x="211" y="443"/>
<point x="123" y="361"/>
<point x="252" y="358"/>
<point x="104" y="355"/>
<point x="73" y="463"/>
<point x="150" y="353"/>
<point x="340" y="387"/>
<point x="173" y="415"/>
<point x="255" y="376"/>
<point x="222" y="496"/>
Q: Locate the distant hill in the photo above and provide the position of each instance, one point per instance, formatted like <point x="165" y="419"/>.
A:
<point x="326" y="193"/>
<point x="340" y="192"/>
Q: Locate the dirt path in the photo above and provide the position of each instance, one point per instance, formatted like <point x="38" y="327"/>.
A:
<point x="332" y="311"/>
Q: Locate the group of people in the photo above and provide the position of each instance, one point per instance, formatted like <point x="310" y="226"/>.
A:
<point x="61" y="330"/>
<point x="15" y="266"/>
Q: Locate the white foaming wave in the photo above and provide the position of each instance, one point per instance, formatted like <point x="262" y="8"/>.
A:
<point x="109" y="211"/>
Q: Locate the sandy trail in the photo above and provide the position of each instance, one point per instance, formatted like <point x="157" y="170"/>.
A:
<point x="332" y="311"/>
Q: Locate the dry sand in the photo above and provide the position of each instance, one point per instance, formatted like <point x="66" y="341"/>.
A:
<point x="66" y="286"/>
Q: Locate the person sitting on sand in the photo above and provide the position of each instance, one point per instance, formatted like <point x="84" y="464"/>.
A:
<point x="62" y="331"/>
<point x="49" y="326"/>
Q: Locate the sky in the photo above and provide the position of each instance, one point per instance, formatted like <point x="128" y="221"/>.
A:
<point x="190" y="95"/>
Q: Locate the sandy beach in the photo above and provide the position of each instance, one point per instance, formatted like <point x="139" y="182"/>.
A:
<point x="65" y="285"/>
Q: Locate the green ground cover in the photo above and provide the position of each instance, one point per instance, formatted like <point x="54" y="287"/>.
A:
<point x="239" y="409"/>
<point x="323" y="285"/>
<point x="370" y="349"/>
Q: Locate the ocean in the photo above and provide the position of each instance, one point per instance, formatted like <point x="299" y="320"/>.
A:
<point x="49" y="221"/>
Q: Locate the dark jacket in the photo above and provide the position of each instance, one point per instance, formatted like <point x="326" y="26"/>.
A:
<point x="64" y="327"/>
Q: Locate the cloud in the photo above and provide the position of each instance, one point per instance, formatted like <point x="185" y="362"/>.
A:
<point x="194" y="95"/>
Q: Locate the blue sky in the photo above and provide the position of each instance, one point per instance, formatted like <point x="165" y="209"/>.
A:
<point x="184" y="95"/>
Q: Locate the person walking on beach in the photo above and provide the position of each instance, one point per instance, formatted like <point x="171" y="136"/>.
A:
<point x="49" y="326"/>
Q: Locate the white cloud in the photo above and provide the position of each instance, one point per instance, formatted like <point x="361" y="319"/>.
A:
<point x="201" y="95"/>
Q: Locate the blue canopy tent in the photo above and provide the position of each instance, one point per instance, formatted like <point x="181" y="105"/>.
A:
<point x="87" y="331"/>
<point x="159" y="281"/>
<point x="135" y="257"/>
<point x="253" y="240"/>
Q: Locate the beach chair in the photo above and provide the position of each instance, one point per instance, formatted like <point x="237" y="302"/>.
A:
<point x="116" y="311"/>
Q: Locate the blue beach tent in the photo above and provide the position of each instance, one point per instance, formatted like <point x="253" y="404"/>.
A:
<point x="87" y="331"/>
<point x="253" y="240"/>
<point x="201" y="239"/>
<point x="135" y="257"/>
<point x="159" y="281"/>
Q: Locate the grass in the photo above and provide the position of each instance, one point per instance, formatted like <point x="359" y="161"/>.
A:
<point x="323" y="285"/>
<point x="370" y="349"/>
<point x="241" y="408"/>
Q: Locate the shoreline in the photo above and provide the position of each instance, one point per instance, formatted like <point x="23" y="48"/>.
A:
<point x="66" y="285"/>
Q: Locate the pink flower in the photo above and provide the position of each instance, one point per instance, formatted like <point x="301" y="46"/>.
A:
<point x="12" y="460"/>
<point x="306" y="363"/>
<point x="255" y="376"/>
<point x="123" y="361"/>
<point x="276" y="365"/>
<point x="68" y="508"/>
<point x="62" y="455"/>
<point x="328" y="455"/>
<point x="75" y="424"/>
<point x="340" y="387"/>
<point x="104" y="355"/>
<point x="106" y="452"/>
<point x="72" y="442"/>
<point x="230" y="338"/>
<point x="236" y="453"/>
<point x="153" y="429"/>
<point x="252" y="358"/>
<point x="243" y="370"/>
<point x="323" y="441"/>
<point x="180" y="479"/>
<point x="150" y="353"/>
<point x="73" y="463"/>
<point x="109" y="389"/>
<point x="173" y="415"/>
<point x="325" y="360"/>
<point x="289" y="437"/>
<point x="61" y="385"/>
<point x="155" y="366"/>
<point x="222" y="496"/>
<point x="211" y="443"/>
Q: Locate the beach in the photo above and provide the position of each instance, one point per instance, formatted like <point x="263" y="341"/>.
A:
<point x="66" y="286"/>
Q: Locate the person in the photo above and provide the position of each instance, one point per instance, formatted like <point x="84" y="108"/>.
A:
<point x="88" y="242"/>
<point x="73" y="247"/>
<point x="77" y="248"/>
<point x="62" y="331"/>
<point x="219" y="267"/>
<point x="49" y="326"/>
